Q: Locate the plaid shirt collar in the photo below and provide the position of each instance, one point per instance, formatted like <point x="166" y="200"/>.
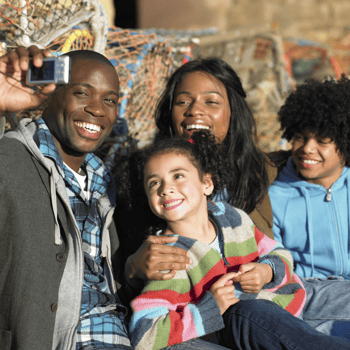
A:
<point x="98" y="174"/>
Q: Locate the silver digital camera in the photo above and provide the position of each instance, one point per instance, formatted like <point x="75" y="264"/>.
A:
<point x="54" y="70"/>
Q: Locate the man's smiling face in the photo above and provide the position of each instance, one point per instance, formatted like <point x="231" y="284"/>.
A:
<point x="81" y="114"/>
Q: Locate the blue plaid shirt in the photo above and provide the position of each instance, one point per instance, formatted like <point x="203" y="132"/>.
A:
<point x="101" y="326"/>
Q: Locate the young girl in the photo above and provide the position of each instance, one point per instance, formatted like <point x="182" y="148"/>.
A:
<point x="231" y="259"/>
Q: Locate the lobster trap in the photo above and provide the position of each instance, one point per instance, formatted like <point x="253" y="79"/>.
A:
<point x="145" y="59"/>
<point x="144" y="64"/>
<point x="54" y="24"/>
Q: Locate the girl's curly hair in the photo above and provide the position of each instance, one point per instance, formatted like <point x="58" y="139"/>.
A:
<point x="322" y="108"/>
<point x="204" y="153"/>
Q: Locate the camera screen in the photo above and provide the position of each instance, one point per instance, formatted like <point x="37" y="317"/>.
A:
<point x="44" y="73"/>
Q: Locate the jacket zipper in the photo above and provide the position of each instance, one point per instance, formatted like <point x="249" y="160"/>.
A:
<point x="328" y="199"/>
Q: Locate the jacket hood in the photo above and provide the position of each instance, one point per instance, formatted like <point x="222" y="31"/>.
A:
<point x="26" y="133"/>
<point x="312" y="194"/>
<point x="288" y="177"/>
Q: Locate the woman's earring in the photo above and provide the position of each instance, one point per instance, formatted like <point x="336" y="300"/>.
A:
<point x="171" y="131"/>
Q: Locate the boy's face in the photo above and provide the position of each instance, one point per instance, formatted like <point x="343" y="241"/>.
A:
<point x="317" y="159"/>
<point x="174" y="189"/>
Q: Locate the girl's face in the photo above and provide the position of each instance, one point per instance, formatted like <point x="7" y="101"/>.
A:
<point x="317" y="159"/>
<point x="201" y="102"/>
<point x="174" y="188"/>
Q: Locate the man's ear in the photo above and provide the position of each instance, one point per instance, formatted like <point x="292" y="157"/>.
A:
<point x="208" y="184"/>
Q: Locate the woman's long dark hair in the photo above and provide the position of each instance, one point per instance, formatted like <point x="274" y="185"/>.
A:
<point x="247" y="179"/>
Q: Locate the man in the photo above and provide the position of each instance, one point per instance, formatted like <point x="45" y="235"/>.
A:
<point x="58" y="289"/>
<point x="310" y="199"/>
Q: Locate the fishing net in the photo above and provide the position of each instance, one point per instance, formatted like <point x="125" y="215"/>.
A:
<point x="55" y="24"/>
<point x="143" y="62"/>
<point x="145" y="59"/>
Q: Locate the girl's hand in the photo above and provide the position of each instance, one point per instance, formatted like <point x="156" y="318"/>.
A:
<point x="254" y="276"/>
<point x="15" y="95"/>
<point x="224" y="292"/>
<point x="155" y="261"/>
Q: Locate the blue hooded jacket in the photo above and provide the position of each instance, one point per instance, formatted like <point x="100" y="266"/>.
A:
<point x="313" y="223"/>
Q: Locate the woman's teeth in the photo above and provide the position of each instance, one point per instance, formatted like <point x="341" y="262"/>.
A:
<point x="191" y="127"/>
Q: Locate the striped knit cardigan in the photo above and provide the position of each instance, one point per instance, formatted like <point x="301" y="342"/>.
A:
<point x="173" y="311"/>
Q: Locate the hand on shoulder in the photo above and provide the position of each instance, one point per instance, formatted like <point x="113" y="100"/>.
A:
<point x="153" y="257"/>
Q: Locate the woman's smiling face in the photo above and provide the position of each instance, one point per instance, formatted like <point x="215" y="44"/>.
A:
<point x="201" y="102"/>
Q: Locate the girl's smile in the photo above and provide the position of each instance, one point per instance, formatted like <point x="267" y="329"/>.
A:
<point x="172" y="204"/>
<point x="174" y="188"/>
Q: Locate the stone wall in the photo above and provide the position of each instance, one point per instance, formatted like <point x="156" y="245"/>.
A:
<point x="313" y="19"/>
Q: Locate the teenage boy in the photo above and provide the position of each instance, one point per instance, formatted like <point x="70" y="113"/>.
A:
<point x="310" y="199"/>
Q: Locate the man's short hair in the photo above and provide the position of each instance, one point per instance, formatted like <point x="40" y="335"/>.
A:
<point x="88" y="55"/>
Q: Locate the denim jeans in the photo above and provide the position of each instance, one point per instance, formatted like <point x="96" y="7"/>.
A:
<point x="327" y="307"/>
<point x="195" y="344"/>
<point x="261" y="324"/>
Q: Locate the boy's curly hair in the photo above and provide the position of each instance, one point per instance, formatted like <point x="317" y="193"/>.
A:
<point x="322" y="108"/>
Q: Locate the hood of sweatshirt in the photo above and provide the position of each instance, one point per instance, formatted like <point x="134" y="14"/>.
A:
<point x="26" y="133"/>
<point x="289" y="177"/>
<point x="315" y="196"/>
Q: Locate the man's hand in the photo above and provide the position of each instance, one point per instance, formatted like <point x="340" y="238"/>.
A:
<point x="254" y="276"/>
<point x="152" y="258"/>
<point x="224" y="292"/>
<point x="14" y="94"/>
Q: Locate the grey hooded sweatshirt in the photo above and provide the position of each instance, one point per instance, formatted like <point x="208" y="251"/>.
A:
<point x="41" y="257"/>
